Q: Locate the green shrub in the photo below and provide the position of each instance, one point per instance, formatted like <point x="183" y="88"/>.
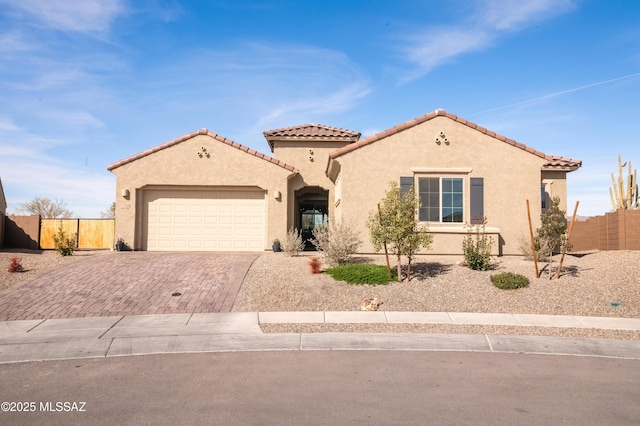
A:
<point x="64" y="244"/>
<point x="509" y="281"/>
<point x="361" y="273"/>
<point x="476" y="247"/>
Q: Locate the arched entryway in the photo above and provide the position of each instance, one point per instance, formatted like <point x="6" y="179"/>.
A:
<point x="311" y="211"/>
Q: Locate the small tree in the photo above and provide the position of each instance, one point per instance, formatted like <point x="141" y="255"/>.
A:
<point x="551" y="237"/>
<point x="396" y="225"/>
<point x="46" y="208"/>
<point x="110" y="213"/>
<point x="413" y="242"/>
<point x="337" y="241"/>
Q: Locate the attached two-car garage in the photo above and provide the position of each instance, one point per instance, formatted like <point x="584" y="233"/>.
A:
<point x="204" y="220"/>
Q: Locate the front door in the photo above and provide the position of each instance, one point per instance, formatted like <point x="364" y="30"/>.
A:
<point x="312" y="215"/>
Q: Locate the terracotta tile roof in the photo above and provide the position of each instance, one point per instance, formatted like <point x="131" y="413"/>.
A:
<point x="194" y="134"/>
<point x="552" y="161"/>
<point x="311" y="131"/>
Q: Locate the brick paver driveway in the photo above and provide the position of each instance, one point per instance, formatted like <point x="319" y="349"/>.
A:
<point x="131" y="283"/>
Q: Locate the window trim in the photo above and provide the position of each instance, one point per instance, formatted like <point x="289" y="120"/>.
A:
<point x="465" y="195"/>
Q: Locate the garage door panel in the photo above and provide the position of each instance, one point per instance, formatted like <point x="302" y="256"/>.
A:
<point x="205" y="220"/>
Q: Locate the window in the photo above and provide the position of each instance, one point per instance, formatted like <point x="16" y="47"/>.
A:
<point x="543" y="196"/>
<point x="441" y="200"/>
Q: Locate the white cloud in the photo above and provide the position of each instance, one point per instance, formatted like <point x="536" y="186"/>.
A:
<point x="7" y="125"/>
<point x="436" y="46"/>
<point x="11" y="42"/>
<point x="27" y="176"/>
<point x="254" y="80"/>
<point x="516" y="14"/>
<point x="75" y="119"/>
<point x="71" y="15"/>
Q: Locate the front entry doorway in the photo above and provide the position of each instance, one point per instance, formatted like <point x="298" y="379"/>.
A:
<point x="312" y="208"/>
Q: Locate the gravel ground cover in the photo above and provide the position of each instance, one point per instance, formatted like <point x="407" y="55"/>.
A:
<point x="35" y="262"/>
<point x="603" y="284"/>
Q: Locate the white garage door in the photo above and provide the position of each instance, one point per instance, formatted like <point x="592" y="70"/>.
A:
<point x="205" y="220"/>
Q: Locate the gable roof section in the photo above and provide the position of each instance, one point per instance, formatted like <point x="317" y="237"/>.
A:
<point x="206" y="132"/>
<point x="319" y="132"/>
<point x="552" y="161"/>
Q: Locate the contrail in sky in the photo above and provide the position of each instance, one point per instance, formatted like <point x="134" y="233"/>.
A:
<point x="575" y="89"/>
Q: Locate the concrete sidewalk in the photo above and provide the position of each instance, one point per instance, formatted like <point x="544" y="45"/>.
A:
<point x="97" y="337"/>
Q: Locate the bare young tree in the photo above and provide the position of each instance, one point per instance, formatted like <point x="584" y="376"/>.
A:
<point x="110" y="213"/>
<point x="46" y="208"/>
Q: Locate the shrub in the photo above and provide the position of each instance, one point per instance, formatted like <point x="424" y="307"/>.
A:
<point x="314" y="264"/>
<point x="509" y="281"/>
<point x="337" y="242"/>
<point x="64" y="244"/>
<point x="361" y="273"/>
<point x="524" y="246"/>
<point x="15" y="265"/>
<point x="292" y="243"/>
<point x="476" y="247"/>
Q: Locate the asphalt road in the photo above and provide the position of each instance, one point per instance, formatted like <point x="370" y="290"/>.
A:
<point x="325" y="388"/>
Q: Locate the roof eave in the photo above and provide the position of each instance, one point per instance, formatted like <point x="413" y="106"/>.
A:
<point x="212" y="135"/>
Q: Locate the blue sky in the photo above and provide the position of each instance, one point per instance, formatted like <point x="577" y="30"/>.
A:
<point x="85" y="83"/>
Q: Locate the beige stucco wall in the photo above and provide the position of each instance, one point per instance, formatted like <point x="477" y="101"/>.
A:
<point x="511" y="176"/>
<point x="179" y="166"/>
<point x="310" y="158"/>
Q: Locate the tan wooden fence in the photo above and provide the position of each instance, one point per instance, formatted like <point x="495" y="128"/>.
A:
<point x="90" y="233"/>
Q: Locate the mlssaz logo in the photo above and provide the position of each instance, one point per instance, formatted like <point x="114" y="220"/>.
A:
<point x="65" y="406"/>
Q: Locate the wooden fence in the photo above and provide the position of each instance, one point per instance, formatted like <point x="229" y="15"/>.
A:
<point x="619" y="230"/>
<point x="89" y="233"/>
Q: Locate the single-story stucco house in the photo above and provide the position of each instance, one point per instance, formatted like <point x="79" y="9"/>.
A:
<point x="204" y="192"/>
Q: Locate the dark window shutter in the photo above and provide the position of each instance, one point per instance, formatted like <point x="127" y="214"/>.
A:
<point x="406" y="183"/>
<point x="477" y="201"/>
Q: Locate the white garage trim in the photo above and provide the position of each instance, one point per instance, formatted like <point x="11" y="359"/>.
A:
<point x="204" y="220"/>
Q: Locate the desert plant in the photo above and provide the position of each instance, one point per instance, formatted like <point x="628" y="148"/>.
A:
<point x="64" y="244"/>
<point x="275" y="246"/>
<point x="524" y="246"/>
<point x="551" y="237"/>
<point x="476" y="247"/>
<point x="314" y="264"/>
<point x="15" y="265"/>
<point x="395" y="225"/>
<point x="292" y="243"/>
<point x="624" y="195"/>
<point x="360" y="273"/>
<point x="337" y="241"/>
<point x="509" y="281"/>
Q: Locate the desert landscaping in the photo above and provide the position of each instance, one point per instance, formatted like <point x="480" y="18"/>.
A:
<point x="595" y="283"/>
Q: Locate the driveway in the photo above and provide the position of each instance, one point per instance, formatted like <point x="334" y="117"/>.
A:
<point x="131" y="283"/>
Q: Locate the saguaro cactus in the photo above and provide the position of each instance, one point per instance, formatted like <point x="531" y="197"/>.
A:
<point x="624" y="196"/>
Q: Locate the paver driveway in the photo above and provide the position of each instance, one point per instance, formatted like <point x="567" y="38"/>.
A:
<point x="131" y="283"/>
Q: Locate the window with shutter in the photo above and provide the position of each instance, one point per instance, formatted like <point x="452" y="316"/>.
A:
<point x="477" y="201"/>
